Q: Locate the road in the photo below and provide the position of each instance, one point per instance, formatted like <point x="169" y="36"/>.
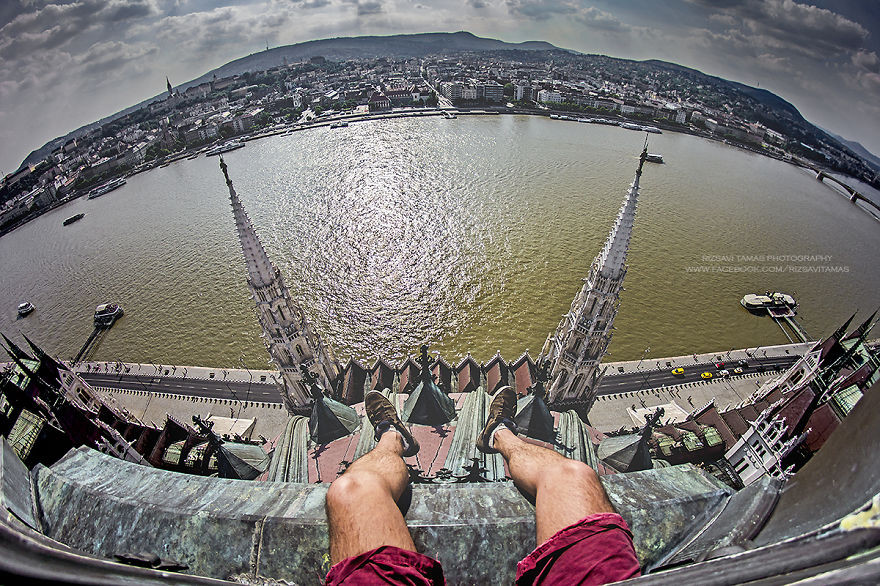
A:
<point x="648" y="379"/>
<point x="175" y="385"/>
<point x="270" y="393"/>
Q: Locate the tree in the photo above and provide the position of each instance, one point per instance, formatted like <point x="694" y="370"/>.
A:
<point x="509" y="89"/>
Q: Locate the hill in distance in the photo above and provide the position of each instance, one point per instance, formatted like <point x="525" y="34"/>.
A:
<point x="419" y="45"/>
<point x="339" y="48"/>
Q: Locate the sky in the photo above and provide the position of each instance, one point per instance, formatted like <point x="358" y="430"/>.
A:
<point x="66" y="63"/>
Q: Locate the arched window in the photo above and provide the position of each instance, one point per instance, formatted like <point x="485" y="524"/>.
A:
<point x="562" y="377"/>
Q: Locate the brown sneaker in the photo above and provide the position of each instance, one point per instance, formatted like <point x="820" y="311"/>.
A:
<point x="383" y="415"/>
<point x="501" y="410"/>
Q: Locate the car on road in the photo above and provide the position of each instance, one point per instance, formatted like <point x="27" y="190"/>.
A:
<point x="738" y="370"/>
<point x="723" y="372"/>
<point x="678" y="371"/>
<point x="743" y="362"/>
<point x="706" y="375"/>
<point x="719" y="365"/>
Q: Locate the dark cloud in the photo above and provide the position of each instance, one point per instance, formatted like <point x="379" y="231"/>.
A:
<point x="601" y="20"/>
<point x="788" y="26"/>
<point x="540" y="9"/>
<point x="477" y="4"/>
<point x="106" y="57"/>
<point x="366" y="8"/>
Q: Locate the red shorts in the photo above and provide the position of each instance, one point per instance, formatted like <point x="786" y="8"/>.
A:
<point x="596" y="550"/>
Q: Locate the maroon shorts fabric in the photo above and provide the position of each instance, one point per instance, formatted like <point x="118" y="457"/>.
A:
<point x="598" y="549"/>
<point x="387" y="565"/>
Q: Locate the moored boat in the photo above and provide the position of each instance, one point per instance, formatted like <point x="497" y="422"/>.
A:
<point x="769" y="302"/>
<point x="106" y="187"/>
<point x="107" y="313"/>
<point x="72" y="219"/>
<point x="224" y="148"/>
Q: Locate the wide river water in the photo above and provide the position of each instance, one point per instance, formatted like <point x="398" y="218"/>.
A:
<point x="471" y="234"/>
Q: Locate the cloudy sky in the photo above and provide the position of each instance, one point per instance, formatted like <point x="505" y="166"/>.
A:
<point x="67" y="63"/>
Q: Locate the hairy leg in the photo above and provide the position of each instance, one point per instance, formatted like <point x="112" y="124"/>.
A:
<point x="565" y="490"/>
<point x="362" y="511"/>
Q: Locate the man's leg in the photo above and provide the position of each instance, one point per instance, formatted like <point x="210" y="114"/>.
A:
<point x="362" y="511"/>
<point x="565" y="490"/>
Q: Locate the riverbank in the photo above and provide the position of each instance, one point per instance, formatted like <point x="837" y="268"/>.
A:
<point x="412" y="112"/>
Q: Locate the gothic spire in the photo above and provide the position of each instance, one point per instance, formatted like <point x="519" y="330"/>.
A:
<point x="290" y="338"/>
<point x="261" y="271"/>
<point x="611" y="260"/>
<point x="579" y="343"/>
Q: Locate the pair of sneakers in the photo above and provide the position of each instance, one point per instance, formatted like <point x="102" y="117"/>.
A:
<point x="383" y="416"/>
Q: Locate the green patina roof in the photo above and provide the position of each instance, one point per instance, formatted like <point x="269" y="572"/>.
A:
<point x="428" y="405"/>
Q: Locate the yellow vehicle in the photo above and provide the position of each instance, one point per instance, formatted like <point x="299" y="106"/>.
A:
<point x="678" y="371"/>
<point x="706" y="375"/>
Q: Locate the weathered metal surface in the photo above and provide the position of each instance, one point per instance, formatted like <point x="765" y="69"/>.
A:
<point x="15" y="483"/>
<point x="742" y="517"/>
<point x="221" y="527"/>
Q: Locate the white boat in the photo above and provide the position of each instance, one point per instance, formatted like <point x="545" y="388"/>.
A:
<point x="630" y="126"/>
<point x="106" y="188"/>
<point x="224" y="148"/>
<point x="654" y="158"/>
<point x="767" y="302"/>
<point x="449" y="115"/>
<point x="340" y="124"/>
<point x="25" y="308"/>
<point x="107" y="313"/>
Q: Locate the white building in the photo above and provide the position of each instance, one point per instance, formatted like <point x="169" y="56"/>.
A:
<point x="549" y="96"/>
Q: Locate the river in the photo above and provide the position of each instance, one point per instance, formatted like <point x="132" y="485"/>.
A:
<point x="469" y="234"/>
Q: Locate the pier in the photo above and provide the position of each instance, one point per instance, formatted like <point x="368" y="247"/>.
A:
<point x="92" y="343"/>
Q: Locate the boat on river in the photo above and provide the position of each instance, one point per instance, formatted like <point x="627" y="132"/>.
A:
<point x="654" y="158"/>
<point x="775" y="303"/>
<point x="107" y="313"/>
<point x="224" y="148"/>
<point x="25" y="308"/>
<point x="72" y="219"/>
<point x="106" y="188"/>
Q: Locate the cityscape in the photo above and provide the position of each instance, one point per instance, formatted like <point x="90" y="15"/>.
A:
<point x="730" y="465"/>
<point x="295" y="95"/>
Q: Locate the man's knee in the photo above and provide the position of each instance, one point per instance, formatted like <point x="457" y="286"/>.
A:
<point x="577" y="472"/>
<point x="352" y="489"/>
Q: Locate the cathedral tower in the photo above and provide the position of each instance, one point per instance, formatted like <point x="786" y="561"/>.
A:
<point x="288" y="334"/>
<point x="579" y="343"/>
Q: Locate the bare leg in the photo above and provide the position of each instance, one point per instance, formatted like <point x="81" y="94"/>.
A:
<point x="565" y="490"/>
<point x="362" y="511"/>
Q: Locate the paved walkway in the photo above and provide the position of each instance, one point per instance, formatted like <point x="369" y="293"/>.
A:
<point x="152" y="408"/>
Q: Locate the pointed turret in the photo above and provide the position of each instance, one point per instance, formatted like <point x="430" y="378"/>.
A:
<point x="14" y="350"/>
<point x="427" y="404"/>
<point x="533" y="418"/>
<point x="864" y="327"/>
<point x="330" y="419"/>
<point x="261" y="271"/>
<point x="579" y="343"/>
<point x="168" y="85"/>
<point x="291" y="341"/>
